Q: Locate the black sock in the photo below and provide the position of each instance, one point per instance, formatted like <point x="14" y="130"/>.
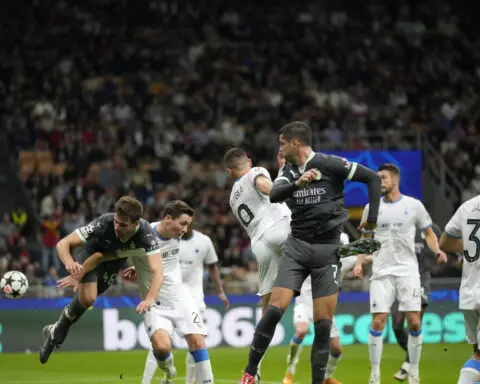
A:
<point x="402" y="339"/>
<point x="320" y="350"/>
<point x="70" y="314"/>
<point x="262" y="337"/>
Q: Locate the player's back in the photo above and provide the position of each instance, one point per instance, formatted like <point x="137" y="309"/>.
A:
<point x="465" y="225"/>
<point x="396" y="228"/>
<point x="195" y="252"/>
<point x="253" y="209"/>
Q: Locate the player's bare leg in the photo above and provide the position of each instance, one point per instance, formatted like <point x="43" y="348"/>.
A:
<point x="294" y="350"/>
<point x="55" y="334"/>
<point x="323" y="310"/>
<point x="333" y="360"/>
<point x="279" y="301"/>
<point x="161" y="354"/>
<point x="198" y="350"/>
<point x="415" y="342"/>
<point x="375" y="345"/>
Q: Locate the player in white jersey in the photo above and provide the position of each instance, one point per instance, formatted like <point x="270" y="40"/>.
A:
<point x="267" y="224"/>
<point x="303" y="317"/>
<point x="462" y="234"/>
<point x="395" y="268"/>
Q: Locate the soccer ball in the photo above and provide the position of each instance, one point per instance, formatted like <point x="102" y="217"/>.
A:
<point x="14" y="284"/>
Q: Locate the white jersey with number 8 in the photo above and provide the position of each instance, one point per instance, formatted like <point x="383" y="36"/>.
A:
<point x="252" y="208"/>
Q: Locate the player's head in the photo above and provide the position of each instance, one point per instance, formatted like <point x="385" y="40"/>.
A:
<point x="390" y="175"/>
<point x="177" y="217"/>
<point x="128" y="212"/>
<point x="236" y="162"/>
<point x="293" y="137"/>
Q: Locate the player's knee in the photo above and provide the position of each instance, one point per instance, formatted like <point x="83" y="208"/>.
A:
<point x="161" y="345"/>
<point x="301" y="331"/>
<point x="87" y="299"/>
<point x="378" y="322"/>
<point x="195" y="342"/>
<point x="335" y="346"/>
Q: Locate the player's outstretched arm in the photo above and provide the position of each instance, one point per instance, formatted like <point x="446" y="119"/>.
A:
<point x="217" y="280"/>
<point x="64" y="247"/>
<point x="156" y="268"/>
<point x="432" y="241"/>
<point x="282" y="187"/>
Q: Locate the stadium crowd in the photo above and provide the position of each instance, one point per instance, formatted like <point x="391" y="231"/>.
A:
<point x="144" y="98"/>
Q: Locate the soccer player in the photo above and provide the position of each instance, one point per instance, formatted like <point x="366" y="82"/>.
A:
<point x="462" y="234"/>
<point x="313" y="184"/>
<point x="121" y="234"/>
<point x="424" y="255"/>
<point x="303" y="317"/>
<point x="196" y="250"/>
<point x="395" y="268"/>
<point x="267" y="224"/>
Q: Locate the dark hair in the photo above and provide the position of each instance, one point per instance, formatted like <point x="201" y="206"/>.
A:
<point x="233" y="157"/>
<point x="177" y="208"/>
<point x="390" y="168"/>
<point x="130" y="207"/>
<point x="297" y="130"/>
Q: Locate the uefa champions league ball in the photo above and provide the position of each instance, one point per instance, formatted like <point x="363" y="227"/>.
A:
<point x="14" y="284"/>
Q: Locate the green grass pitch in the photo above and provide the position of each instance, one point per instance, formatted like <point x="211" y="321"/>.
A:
<point x="440" y="364"/>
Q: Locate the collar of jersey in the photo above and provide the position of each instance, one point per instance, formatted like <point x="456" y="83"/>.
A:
<point x="392" y="202"/>
<point x="126" y="241"/>
<point x="310" y="157"/>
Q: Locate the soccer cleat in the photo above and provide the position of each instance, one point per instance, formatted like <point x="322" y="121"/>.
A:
<point x="169" y="376"/>
<point x="401" y="375"/>
<point x="331" y="380"/>
<point x="48" y="345"/>
<point x="247" y="379"/>
<point x="359" y="247"/>
<point x="412" y="379"/>
<point x="374" y="378"/>
<point x="257" y="377"/>
<point x="288" y="379"/>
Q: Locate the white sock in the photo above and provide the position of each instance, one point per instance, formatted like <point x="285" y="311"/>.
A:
<point x="165" y="363"/>
<point x="203" y="368"/>
<point x="150" y="368"/>
<point x="332" y="365"/>
<point x="415" y="341"/>
<point x="190" y="365"/>
<point x="469" y="372"/>
<point x="375" y="346"/>
<point x="293" y="357"/>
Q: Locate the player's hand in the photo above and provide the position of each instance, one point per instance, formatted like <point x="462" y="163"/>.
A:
<point x="224" y="298"/>
<point x="306" y="178"/>
<point x="130" y="274"/>
<point x="358" y="272"/>
<point x="144" y="306"/>
<point x="73" y="267"/>
<point x="367" y="229"/>
<point x="441" y="257"/>
<point x="68" y="281"/>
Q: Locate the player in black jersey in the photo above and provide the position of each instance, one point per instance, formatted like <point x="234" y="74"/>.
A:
<point x="118" y="236"/>
<point x="313" y="186"/>
<point x="424" y="256"/>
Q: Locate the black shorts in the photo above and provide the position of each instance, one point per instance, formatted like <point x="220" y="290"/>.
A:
<point x="105" y="274"/>
<point x="425" y="280"/>
<point x="300" y="259"/>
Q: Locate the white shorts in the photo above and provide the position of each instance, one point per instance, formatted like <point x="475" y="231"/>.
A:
<point x="405" y="289"/>
<point x="180" y="315"/>
<point x="267" y="251"/>
<point x="472" y="325"/>
<point x="303" y="313"/>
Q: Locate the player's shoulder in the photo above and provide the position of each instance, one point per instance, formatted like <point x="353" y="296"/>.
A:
<point x="145" y="227"/>
<point x="411" y="201"/>
<point x="471" y="205"/>
<point x="106" y="218"/>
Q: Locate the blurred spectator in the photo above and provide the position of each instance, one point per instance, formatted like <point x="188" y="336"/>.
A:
<point x="50" y="283"/>
<point x="50" y="236"/>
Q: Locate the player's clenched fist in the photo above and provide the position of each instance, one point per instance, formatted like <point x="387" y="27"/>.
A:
<point x="306" y="178"/>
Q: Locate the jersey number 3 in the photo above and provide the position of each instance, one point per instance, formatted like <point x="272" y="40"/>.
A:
<point x="245" y="214"/>
<point x="473" y="237"/>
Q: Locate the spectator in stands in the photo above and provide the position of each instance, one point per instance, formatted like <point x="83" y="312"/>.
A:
<point x="50" y="236"/>
<point x="19" y="217"/>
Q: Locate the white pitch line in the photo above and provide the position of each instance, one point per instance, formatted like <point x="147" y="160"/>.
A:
<point x="112" y="379"/>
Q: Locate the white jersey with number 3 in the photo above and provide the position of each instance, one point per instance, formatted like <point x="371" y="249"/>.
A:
<point x="252" y="208"/>
<point x="396" y="226"/>
<point x="465" y="225"/>
<point x="196" y="252"/>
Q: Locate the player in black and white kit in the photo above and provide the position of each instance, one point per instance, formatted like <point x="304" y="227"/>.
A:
<point x="119" y="235"/>
<point x="313" y="184"/>
<point x="424" y="256"/>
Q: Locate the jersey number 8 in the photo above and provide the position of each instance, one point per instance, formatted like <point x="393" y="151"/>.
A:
<point x="245" y="214"/>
